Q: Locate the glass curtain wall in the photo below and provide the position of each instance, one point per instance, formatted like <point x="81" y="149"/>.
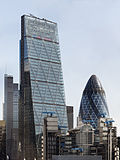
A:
<point x="42" y="87"/>
<point x="93" y="104"/>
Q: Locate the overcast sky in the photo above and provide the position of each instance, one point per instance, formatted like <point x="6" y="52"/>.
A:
<point x="89" y="34"/>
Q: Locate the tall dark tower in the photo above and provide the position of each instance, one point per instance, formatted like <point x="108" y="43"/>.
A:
<point x="10" y="115"/>
<point x="93" y="104"/>
<point x="41" y="83"/>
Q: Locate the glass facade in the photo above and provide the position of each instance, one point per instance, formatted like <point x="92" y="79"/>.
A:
<point x="41" y="86"/>
<point x="93" y="104"/>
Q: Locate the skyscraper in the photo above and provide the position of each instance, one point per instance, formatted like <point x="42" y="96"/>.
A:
<point x="10" y="115"/>
<point x="8" y="106"/>
<point x="41" y="82"/>
<point x="93" y="104"/>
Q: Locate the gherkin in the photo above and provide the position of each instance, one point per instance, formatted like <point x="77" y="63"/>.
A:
<point x="93" y="103"/>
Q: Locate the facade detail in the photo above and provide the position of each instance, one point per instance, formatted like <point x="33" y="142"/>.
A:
<point x="41" y="83"/>
<point x="93" y="104"/>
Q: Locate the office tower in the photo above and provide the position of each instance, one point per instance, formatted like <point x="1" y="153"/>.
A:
<point x="8" y="104"/>
<point x="93" y="104"/>
<point x="2" y="140"/>
<point x="70" y="116"/>
<point x="10" y="115"/>
<point x="41" y="82"/>
<point x="8" y="111"/>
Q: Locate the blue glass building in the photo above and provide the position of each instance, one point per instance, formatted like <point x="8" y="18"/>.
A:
<point x="41" y="83"/>
<point x="93" y="104"/>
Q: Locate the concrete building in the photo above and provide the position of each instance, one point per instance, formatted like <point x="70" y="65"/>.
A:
<point x="50" y="133"/>
<point x="77" y="141"/>
<point x="106" y="140"/>
<point x="85" y="138"/>
<point x="65" y="143"/>
<point x="70" y="116"/>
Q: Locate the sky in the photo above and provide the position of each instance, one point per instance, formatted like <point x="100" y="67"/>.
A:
<point x="89" y="35"/>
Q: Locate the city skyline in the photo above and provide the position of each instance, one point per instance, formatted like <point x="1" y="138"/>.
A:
<point x="95" y="30"/>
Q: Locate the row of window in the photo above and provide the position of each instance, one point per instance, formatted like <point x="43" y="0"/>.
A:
<point x="44" y="51"/>
<point x="48" y="100"/>
<point x="40" y="24"/>
<point x="47" y="80"/>
<point x="43" y="93"/>
<point x="44" y="96"/>
<point x="31" y="43"/>
<point x="38" y="54"/>
<point x="48" y="66"/>
<point x="42" y="84"/>
<point x="53" y="90"/>
<point x="45" y="75"/>
<point x="47" y="95"/>
<point x="42" y="57"/>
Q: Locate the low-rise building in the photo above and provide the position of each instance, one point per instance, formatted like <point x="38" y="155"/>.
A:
<point x="50" y="131"/>
<point x="76" y="157"/>
<point x="105" y="140"/>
